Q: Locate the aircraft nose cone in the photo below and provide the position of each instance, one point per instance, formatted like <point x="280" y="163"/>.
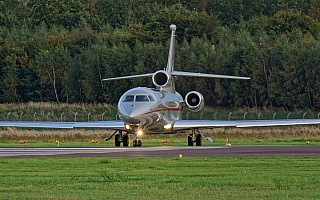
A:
<point x="129" y="113"/>
<point x="129" y="110"/>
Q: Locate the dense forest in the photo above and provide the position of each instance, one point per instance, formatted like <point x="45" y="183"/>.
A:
<point x="59" y="50"/>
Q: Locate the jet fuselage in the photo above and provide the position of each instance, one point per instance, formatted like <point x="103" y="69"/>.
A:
<point x="149" y="110"/>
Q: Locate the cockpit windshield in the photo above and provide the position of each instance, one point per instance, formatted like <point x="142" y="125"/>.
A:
<point x="151" y="98"/>
<point x="138" y="98"/>
<point x="142" y="98"/>
<point x="128" y="98"/>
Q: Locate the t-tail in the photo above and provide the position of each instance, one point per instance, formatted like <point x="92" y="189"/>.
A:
<point x="164" y="79"/>
<point x="170" y="63"/>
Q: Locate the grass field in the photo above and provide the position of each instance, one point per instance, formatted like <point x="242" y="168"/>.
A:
<point x="161" y="178"/>
<point x="155" y="178"/>
<point x="293" y="135"/>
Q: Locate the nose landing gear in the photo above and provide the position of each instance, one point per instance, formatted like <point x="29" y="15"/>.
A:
<point x="137" y="143"/>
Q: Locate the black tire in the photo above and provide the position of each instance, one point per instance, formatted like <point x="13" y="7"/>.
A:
<point x="198" y="140"/>
<point x="190" y="142"/>
<point x="137" y="143"/>
<point x="125" y="140"/>
<point x="116" y="140"/>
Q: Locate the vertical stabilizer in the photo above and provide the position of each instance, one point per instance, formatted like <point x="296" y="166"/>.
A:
<point x="170" y="64"/>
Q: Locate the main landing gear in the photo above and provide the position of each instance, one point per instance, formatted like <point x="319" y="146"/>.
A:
<point x="197" y="138"/>
<point x="118" y="138"/>
<point x="124" y="138"/>
<point x="121" y="138"/>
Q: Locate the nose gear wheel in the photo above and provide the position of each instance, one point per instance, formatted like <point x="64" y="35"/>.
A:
<point x="137" y="143"/>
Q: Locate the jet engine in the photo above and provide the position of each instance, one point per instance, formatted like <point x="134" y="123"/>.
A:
<point x="194" y="101"/>
<point x="161" y="78"/>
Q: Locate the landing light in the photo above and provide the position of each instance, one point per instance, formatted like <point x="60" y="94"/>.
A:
<point x="139" y="132"/>
<point x="167" y="126"/>
<point x="128" y="126"/>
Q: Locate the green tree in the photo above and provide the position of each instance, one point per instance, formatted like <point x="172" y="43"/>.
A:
<point x="10" y="80"/>
<point x="148" y="58"/>
<point x="117" y="61"/>
<point x="51" y="67"/>
<point x="14" y="13"/>
<point x="314" y="11"/>
<point x="284" y="22"/>
<point x="65" y="13"/>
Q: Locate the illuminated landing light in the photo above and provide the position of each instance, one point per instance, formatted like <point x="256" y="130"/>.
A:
<point x="128" y="126"/>
<point x="167" y="126"/>
<point x="139" y="133"/>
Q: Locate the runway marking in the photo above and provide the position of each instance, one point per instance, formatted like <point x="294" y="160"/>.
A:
<point x="56" y="151"/>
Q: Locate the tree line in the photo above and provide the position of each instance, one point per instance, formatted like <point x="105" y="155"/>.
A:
<point x="59" y="50"/>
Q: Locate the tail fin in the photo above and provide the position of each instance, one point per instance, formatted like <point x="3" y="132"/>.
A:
<point x="170" y="63"/>
<point x="163" y="79"/>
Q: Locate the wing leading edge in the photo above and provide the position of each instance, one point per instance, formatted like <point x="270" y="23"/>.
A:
<point x="209" y="124"/>
<point x="178" y="125"/>
<point x="111" y="125"/>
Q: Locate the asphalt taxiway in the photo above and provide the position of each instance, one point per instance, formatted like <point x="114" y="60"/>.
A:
<point x="167" y="151"/>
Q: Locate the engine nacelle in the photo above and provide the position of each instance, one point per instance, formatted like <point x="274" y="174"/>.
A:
<point x="161" y="78"/>
<point x="194" y="101"/>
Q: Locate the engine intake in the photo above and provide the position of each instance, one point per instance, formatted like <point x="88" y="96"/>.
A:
<point x="194" y="101"/>
<point x="160" y="78"/>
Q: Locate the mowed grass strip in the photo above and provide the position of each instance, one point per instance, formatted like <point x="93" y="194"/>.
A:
<point x="288" y="135"/>
<point x="161" y="178"/>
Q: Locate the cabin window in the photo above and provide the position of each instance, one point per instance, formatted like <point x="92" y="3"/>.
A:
<point x="142" y="98"/>
<point x="128" y="98"/>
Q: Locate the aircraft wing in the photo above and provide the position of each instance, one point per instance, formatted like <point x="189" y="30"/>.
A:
<point x="112" y="125"/>
<point x="192" y="124"/>
<point x="207" y="124"/>
<point x="178" y="125"/>
<point x="36" y="124"/>
<point x="283" y="122"/>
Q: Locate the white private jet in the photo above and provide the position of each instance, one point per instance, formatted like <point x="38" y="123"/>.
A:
<point x="156" y="111"/>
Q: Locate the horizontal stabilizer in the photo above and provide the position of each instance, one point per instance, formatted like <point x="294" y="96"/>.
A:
<point x="179" y="73"/>
<point x="193" y="74"/>
<point x="126" y="77"/>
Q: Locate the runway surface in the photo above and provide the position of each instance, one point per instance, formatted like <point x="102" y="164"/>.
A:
<point x="210" y="151"/>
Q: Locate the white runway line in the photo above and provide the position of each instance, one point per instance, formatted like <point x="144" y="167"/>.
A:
<point x="51" y="151"/>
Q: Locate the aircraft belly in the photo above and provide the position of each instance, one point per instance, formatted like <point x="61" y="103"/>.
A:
<point x="149" y="123"/>
<point x="153" y="123"/>
<point x="157" y="127"/>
